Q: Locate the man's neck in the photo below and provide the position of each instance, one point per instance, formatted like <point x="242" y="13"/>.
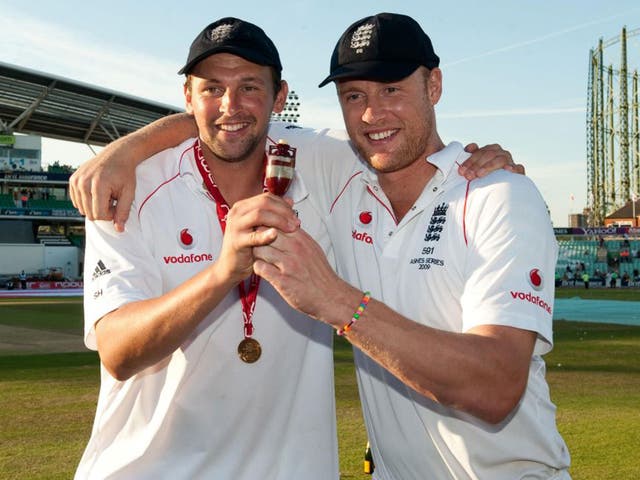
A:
<point x="237" y="180"/>
<point x="404" y="187"/>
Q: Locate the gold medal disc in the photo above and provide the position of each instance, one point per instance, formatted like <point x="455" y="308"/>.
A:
<point x="249" y="350"/>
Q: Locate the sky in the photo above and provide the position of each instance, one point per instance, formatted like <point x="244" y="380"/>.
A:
<point x="514" y="72"/>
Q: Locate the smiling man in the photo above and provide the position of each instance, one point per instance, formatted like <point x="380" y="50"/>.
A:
<point x="206" y="371"/>
<point x="444" y="285"/>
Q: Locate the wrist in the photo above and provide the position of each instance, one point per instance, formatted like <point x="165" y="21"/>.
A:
<point x="357" y="314"/>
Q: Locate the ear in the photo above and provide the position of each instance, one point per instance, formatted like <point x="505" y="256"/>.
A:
<point x="281" y="97"/>
<point x="187" y="99"/>
<point x="434" y="85"/>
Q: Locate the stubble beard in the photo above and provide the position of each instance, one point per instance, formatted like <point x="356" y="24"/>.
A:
<point x="406" y="154"/>
<point x="237" y="151"/>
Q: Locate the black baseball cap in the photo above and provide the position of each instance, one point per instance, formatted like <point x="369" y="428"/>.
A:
<point x="232" y="35"/>
<point x="385" y="47"/>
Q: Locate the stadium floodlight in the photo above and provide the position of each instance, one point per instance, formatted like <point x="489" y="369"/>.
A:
<point x="291" y="105"/>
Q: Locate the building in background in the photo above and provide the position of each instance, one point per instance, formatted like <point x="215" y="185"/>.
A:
<point x="20" y="152"/>
<point x="577" y="220"/>
<point x="40" y="230"/>
<point x="626" y="216"/>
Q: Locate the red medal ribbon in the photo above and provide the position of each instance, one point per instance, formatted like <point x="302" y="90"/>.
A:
<point x="247" y="299"/>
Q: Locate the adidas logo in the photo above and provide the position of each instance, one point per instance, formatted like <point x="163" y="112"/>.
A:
<point x="100" y="270"/>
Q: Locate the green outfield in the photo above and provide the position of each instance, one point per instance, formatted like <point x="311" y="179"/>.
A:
<point x="49" y="387"/>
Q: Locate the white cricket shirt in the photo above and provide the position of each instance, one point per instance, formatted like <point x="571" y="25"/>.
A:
<point x="466" y="254"/>
<point x="202" y="413"/>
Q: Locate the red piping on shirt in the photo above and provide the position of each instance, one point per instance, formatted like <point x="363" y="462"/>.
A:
<point x="464" y="213"/>
<point x="395" y="220"/>
<point x="343" y="189"/>
<point x="165" y="182"/>
<point x="369" y="190"/>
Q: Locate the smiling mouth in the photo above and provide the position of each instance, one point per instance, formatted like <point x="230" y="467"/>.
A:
<point x="232" y="127"/>
<point x="377" y="136"/>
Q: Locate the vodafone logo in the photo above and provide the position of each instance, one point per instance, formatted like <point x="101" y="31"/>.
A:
<point x="534" y="277"/>
<point x="186" y="239"/>
<point x="192" y="258"/>
<point x="365" y="218"/>
<point x="531" y="298"/>
<point x="362" y="237"/>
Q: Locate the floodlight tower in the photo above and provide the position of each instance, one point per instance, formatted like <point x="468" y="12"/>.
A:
<point x="290" y="112"/>
<point x="613" y="141"/>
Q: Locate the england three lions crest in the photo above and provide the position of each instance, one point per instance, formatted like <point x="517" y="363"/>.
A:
<point x="436" y="224"/>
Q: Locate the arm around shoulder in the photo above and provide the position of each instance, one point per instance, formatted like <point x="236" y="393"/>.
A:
<point x="103" y="187"/>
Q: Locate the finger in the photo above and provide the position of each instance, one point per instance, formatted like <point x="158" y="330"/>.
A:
<point x="281" y="206"/>
<point x="264" y="253"/>
<point x="267" y="271"/>
<point x="476" y="160"/>
<point x="516" y="168"/>
<point x="123" y="207"/>
<point x="256" y="212"/>
<point x="101" y="201"/>
<point x="472" y="147"/>
<point x="485" y="160"/>
<point x="84" y="194"/>
<point x="79" y="190"/>
<point x="288" y="200"/>
<point x="72" y="192"/>
<point x="490" y="163"/>
<point x="261" y="238"/>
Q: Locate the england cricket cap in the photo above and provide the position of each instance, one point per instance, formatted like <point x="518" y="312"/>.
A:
<point x="385" y="47"/>
<point x="235" y="36"/>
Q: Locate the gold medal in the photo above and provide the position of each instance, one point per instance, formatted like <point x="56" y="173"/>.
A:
<point x="249" y="350"/>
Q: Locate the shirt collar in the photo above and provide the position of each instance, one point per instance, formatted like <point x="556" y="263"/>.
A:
<point x="446" y="162"/>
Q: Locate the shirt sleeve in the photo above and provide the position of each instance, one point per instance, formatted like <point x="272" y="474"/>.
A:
<point x="119" y="268"/>
<point x="511" y="257"/>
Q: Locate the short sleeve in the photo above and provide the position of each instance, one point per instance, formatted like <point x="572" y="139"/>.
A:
<point x="119" y="268"/>
<point x="511" y="257"/>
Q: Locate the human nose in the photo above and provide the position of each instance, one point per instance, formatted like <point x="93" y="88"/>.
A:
<point x="228" y="103"/>
<point x="373" y="112"/>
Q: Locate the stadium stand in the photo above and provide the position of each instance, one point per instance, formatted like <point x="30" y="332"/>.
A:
<point x="40" y="230"/>
<point x="6" y="201"/>
<point x="578" y="256"/>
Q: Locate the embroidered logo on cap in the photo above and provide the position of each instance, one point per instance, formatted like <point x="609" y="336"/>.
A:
<point x="186" y="239"/>
<point x="361" y="38"/>
<point x="535" y="279"/>
<point x="221" y="32"/>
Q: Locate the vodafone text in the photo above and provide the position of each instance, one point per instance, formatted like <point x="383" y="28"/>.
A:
<point x="362" y="236"/>
<point x="192" y="258"/>
<point x="536" y="300"/>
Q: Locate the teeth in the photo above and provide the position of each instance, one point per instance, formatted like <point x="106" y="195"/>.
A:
<point x="381" y="135"/>
<point x="233" y="127"/>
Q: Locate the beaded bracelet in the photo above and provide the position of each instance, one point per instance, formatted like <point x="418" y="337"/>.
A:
<point x="363" y="304"/>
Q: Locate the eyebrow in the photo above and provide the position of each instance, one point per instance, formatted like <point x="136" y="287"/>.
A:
<point x="243" y="79"/>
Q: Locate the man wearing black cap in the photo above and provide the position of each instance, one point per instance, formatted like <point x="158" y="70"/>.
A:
<point x="448" y="283"/>
<point x="206" y="371"/>
<point x="230" y="137"/>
